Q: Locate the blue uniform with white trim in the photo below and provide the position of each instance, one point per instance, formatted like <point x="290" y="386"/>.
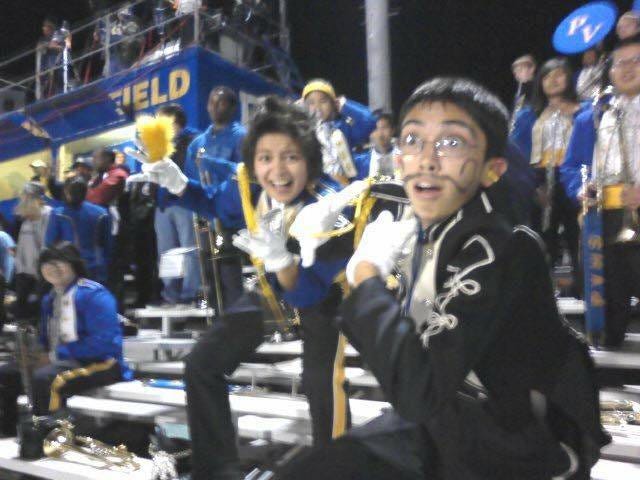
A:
<point x="220" y="146"/>
<point x="97" y="327"/>
<point x="223" y="202"/>
<point x="579" y="152"/>
<point x="234" y="338"/>
<point x="356" y="122"/>
<point x="88" y="227"/>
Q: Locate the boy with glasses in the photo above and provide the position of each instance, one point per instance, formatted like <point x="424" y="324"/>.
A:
<point x="480" y="369"/>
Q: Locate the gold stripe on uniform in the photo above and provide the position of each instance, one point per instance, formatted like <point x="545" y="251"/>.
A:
<point x="63" y="377"/>
<point x="339" y="396"/>
<point x="612" y="196"/>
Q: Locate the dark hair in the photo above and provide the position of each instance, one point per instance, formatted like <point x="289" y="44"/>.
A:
<point x="63" y="252"/>
<point x="540" y="101"/>
<point x="75" y="189"/>
<point x="108" y="153"/>
<point x="276" y="115"/>
<point x="174" y="110"/>
<point x="481" y="105"/>
<point x="382" y="115"/>
<point x="227" y="93"/>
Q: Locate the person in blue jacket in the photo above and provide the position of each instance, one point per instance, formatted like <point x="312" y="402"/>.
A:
<point x="211" y="158"/>
<point x="342" y="125"/>
<point x="284" y="157"/>
<point x="84" y="224"/>
<point x="79" y="329"/>
<point x="378" y="159"/>
<point x="221" y="141"/>
<point x="549" y="122"/>
<point x="620" y="191"/>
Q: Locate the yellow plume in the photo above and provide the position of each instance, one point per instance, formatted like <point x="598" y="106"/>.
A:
<point x="156" y="135"/>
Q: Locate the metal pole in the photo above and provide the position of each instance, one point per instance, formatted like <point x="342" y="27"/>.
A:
<point x="38" y="74"/>
<point x="196" y="25"/>
<point x="284" y="27"/>
<point x="107" y="49"/>
<point x="378" y="57"/>
<point x="65" y="68"/>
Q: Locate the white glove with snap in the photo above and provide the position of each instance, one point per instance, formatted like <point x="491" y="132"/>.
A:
<point x="320" y="217"/>
<point x="381" y="245"/>
<point x="166" y="174"/>
<point x="268" y="245"/>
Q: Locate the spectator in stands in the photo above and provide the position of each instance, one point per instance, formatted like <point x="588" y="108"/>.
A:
<point x="378" y="159"/>
<point x="82" y="167"/>
<point x="7" y="252"/>
<point x="109" y="180"/>
<point x="523" y="69"/>
<point x="42" y="174"/>
<point x="34" y="218"/>
<point x="174" y="223"/>
<point x="86" y="225"/>
<point x="50" y="48"/>
<point x="186" y="9"/>
<point x="124" y="29"/>
<point x="628" y="25"/>
<point x="79" y="329"/>
<point x="107" y="190"/>
<point x="342" y="126"/>
<point x="590" y="77"/>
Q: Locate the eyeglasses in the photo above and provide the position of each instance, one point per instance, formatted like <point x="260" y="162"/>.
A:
<point x="449" y="146"/>
<point x="626" y="62"/>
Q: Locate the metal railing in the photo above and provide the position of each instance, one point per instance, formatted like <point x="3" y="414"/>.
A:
<point x="114" y="49"/>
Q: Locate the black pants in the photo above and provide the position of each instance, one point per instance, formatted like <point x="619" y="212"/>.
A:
<point x="563" y="212"/>
<point x="389" y="447"/>
<point x="232" y="340"/>
<point x="117" y="266"/>
<point x="622" y="278"/>
<point x="3" y="312"/>
<point x="29" y="292"/>
<point x="144" y="258"/>
<point x="11" y="387"/>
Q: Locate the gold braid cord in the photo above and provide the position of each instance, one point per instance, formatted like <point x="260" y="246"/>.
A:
<point x="244" y="186"/>
<point x="62" y="379"/>
<point x="364" y="204"/>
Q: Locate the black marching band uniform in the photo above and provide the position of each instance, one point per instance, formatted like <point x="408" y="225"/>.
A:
<point x="486" y="379"/>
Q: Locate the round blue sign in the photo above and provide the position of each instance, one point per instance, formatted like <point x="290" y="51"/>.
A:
<point x="585" y="27"/>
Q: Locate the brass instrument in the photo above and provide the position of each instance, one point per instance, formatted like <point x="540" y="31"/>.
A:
<point x="62" y="440"/>
<point x="550" y="172"/>
<point x="203" y="226"/>
<point x="284" y="317"/>
<point x="630" y="230"/>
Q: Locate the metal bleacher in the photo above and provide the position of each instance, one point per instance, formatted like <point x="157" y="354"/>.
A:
<point x="269" y="408"/>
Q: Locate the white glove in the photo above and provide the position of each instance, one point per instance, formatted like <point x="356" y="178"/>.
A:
<point x="166" y="174"/>
<point x="137" y="178"/>
<point x="267" y="245"/>
<point x="320" y="217"/>
<point x="382" y="243"/>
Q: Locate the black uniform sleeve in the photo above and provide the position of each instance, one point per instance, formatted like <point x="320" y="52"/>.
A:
<point x="420" y="371"/>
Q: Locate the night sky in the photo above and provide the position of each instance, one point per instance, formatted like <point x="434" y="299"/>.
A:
<point x="475" y="38"/>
